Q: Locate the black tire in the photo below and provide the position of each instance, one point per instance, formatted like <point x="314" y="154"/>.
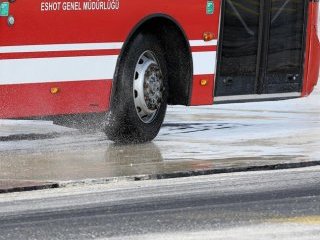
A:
<point x="124" y="125"/>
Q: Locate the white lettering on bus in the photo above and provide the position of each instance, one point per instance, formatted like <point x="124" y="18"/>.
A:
<point x="50" y="6"/>
<point x="89" y="5"/>
<point x="101" y="5"/>
<point x="71" y="6"/>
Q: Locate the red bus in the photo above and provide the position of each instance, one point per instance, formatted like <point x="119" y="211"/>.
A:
<point x="131" y="58"/>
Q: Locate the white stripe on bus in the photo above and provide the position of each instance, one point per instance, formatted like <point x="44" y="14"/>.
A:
<point x="201" y="43"/>
<point x="204" y="62"/>
<point x="61" y="47"/>
<point x="63" y="69"/>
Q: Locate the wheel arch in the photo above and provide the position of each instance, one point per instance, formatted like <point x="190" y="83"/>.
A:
<point x="177" y="53"/>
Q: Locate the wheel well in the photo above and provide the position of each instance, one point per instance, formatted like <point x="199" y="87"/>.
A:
<point x="177" y="53"/>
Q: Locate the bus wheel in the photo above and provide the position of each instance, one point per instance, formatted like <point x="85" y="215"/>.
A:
<point x="140" y="92"/>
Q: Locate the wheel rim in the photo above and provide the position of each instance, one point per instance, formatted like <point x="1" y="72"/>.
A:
<point x="147" y="87"/>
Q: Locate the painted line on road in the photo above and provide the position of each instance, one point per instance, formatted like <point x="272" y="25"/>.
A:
<point x="312" y="220"/>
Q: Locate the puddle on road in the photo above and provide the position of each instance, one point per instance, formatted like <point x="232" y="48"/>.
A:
<point x="108" y="160"/>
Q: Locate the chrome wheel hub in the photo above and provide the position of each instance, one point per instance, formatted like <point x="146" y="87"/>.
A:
<point x="147" y="87"/>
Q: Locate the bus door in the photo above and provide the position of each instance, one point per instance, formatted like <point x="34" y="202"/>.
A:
<point x="261" y="49"/>
<point x="282" y="70"/>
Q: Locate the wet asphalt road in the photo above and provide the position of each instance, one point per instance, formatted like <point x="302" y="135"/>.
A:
<point x="283" y="204"/>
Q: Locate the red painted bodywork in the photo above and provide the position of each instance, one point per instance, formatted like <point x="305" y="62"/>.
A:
<point x="25" y="100"/>
<point x="58" y="54"/>
<point x="202" y="95"/>
<point x="312" y="57"/>
<point x="36" y="27"/>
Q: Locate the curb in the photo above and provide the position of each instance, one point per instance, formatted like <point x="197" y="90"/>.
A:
<point x="145" y="177"/>
<point x="23" y="186"/>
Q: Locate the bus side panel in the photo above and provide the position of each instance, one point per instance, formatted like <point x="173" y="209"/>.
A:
<point x="205" y="62"/>
<point x="64" y="51"/>
<point x="24" y="100"/>
<point x="312" y="57"/>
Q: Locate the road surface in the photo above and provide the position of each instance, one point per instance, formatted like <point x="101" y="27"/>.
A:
<point x="283" y="204"/>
